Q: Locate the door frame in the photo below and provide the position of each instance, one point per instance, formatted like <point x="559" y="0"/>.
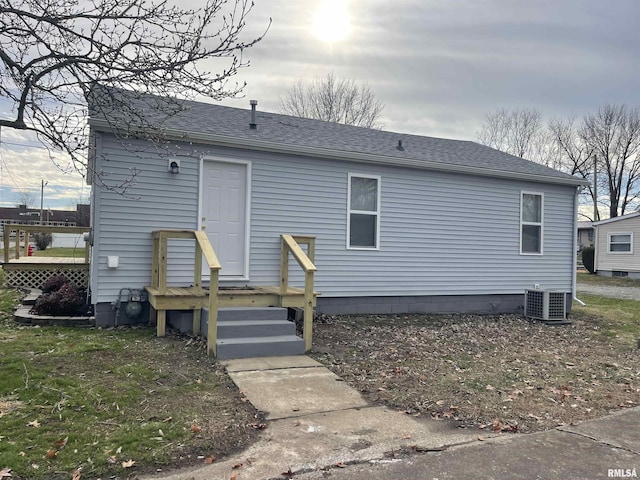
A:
<point x="247" y="253"/>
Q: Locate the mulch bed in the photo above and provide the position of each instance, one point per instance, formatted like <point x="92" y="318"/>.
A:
<point x="501" y="373"/>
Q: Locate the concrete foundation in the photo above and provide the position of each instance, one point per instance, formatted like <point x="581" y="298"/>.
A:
<point x="433" y="304"/>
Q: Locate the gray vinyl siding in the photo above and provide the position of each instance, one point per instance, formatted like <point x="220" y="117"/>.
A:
<point x="440" y="233"/>
<point x="623" y="262"/>
<point x="124" y="222"/>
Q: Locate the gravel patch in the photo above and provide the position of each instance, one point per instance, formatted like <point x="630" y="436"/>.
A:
<point x="625" y="293"/>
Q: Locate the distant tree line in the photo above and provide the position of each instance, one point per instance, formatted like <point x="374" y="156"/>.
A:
<point x="602" y="147"/>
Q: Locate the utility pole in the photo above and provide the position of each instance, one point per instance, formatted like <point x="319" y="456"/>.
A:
<point x="596" y="215"/>
<point x="42" y="201"/>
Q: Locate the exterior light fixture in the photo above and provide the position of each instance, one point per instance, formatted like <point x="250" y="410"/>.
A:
<point x="174" y="166"/>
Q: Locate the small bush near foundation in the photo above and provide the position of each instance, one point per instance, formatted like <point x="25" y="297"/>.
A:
<point x="59" y="297"/>
<point x="54" y="283"/>
<point x="588" y="254"/>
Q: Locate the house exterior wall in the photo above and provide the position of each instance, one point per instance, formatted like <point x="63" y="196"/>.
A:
<point x="607" y="262"/>
<point x="441" y="234"/>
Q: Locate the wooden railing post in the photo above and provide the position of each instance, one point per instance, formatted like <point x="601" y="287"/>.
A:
<point x="162" y="265"/>
<point x="7" y="242"/>
<point x="26" y="244"/>
<point x="197" y="285"/>
<point x="155" y="260"/>
<point x="284" y="266"/>
<point x="307" y="331"/>
<point x="17" y="250"/>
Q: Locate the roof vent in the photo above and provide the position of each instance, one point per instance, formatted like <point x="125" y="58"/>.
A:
<point x="253" y="125"/>
<point x="400" y="147"/>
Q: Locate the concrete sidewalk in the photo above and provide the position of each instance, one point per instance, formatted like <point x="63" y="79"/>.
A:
<point x="319" y="427"/>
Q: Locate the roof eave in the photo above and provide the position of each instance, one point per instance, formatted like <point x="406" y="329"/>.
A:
<point x="617" y="219"/>
<point x="319" y="152"/>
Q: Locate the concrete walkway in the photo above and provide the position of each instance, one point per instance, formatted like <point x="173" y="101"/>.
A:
<point x="316" y="421"/>
<point x="319" y="427"/>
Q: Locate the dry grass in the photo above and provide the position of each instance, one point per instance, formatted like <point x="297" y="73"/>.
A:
<point x="477" y="370"/>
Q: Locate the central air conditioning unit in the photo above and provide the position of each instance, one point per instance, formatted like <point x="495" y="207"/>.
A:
<point x="547" y="305"/>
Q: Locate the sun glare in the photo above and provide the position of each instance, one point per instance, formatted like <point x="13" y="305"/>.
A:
<point x="331" y="21"/>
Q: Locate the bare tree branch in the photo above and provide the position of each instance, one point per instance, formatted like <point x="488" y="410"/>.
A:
<point x="334" y="100"/>
<point x="54" y="52"/>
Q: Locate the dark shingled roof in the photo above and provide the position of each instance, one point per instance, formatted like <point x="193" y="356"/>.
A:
<point x="211" y="123"/>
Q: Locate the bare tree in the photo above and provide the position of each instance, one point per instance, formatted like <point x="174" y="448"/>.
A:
<point x="54" y="53"/>
<point x="613" y="135"/>
<point x="578" y="157"/>
<point x="334" y="100"/>
<point x="28" y="198"/>
<point x="516" y="132"/>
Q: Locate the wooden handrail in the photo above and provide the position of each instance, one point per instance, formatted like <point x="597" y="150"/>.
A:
<point x="291" y="244"/>
<point x="207" y="250"/>
<point x="27" y="229"/>
<point x="159" y="277"/>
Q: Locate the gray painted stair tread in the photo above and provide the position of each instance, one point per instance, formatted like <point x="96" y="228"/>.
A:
<point x="278" y="338"/>
<point x="253" y="321"/>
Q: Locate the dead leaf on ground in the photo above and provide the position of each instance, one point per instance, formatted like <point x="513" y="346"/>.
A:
<point x="287" y="474"/>
<point x="51" y="453"/>
<point x="258" y="426"/>
<point x="5" y="473"/>
<point x="490" y="387"/>
<point x="61" y="443"/>
<point x="195" y="429"/>
<point x="76" y="475"/>
<point x="482" y="439"/>
<point x="234" y="477"/>
<point x="236" y="466"/>
<point x="341" y="465"/>
<point x="128" y="464"/>
<point x="296" y="423"/>
<point x="34" y="424"/>
<point x="210" y="459"/>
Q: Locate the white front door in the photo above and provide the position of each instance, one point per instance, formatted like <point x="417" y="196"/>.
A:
<point x="224" y="214"/>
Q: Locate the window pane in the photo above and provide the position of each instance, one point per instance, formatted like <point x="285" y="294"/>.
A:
<point x="620" y="238"/>
<point x="531" y="239"/>
<point x="363" y="194"/>
<point x="531" y="208"/>
<point x="362" y="230"/>
<point x="620" y="247"/>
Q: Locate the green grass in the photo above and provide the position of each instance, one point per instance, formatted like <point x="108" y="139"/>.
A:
<point x="619" y="319"/>
<point x="592" y="279"/>
<point x="52" y="252"/>
<point x="60" y="252"/>
<point x="95" y="398"/>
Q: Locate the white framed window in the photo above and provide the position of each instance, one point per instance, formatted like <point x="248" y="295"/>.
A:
<point x="363" y="212"/>
<point x="531" y="223"/>
<point x="620" y="242"/>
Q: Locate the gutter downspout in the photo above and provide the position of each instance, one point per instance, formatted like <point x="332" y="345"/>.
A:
<point x="575" y="244"/>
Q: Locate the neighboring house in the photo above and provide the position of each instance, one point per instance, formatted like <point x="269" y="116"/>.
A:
<point x="586" y="233"/>
<point x="404" y="223"/>
<point x="618" y="246"/>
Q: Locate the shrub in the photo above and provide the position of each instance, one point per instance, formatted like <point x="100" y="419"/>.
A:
<point x="54" y="283"/>
<point x="65" y="301"/>
<point x="588" y="254"/>
<point x="43" y="240"/>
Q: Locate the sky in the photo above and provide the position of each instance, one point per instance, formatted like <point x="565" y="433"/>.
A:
<point x="438" y="66"/>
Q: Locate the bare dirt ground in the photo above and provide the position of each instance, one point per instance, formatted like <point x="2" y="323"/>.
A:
<point x="501" y="373"/>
